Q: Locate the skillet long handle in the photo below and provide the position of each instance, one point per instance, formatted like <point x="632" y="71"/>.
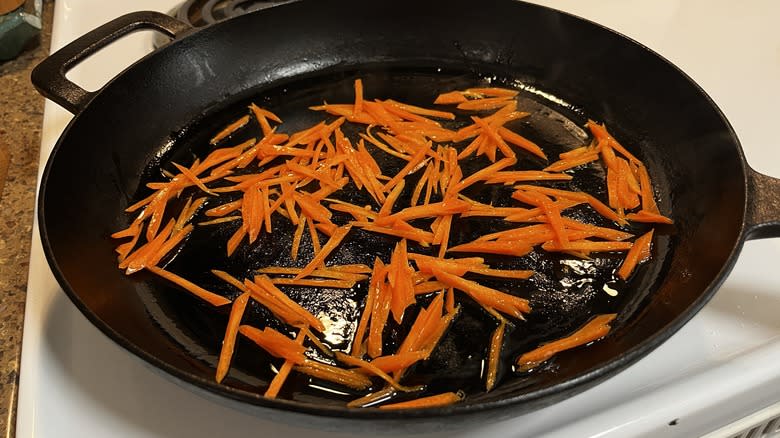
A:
<point x="49" y="76"/>
<point x="762" y="219"/>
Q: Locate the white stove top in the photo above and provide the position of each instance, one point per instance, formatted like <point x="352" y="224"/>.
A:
<point x="720" y="367"/>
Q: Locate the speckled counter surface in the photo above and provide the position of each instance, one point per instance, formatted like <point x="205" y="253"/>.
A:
<point x="21" y="114"/>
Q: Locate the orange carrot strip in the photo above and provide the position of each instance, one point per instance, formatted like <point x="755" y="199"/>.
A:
<point x="427" y="287"/>
<point x="358" y="108"/>
<point x="493" y="92"/>
<point x="235" y="240"/>
<point x="487" y="103"/>
<point x="578" y="152"/>
<point x="371" y="296"/>
<point x="175" y="239"/>
<point x="330" y="272"/>
<point x="356" y="268"/>
<point x="278" y="308"/>
<point x="252" y="212"/>
<point x="521" y="142"/>
<point x="423" y="181"/>
<point x="139" y="259"/>
<point x="284" y="371"/>
<point x="371" y="368"/>
<point x="400" y="278"/>
<point x="387" y="207"/>
<point x="646" y="216"/>
<point x="224" y="209"/>
<point x="587" y="245"/>
<point x="444" y="242"/>
<point x="209" y="297"/>
<point x="556" y="222"/>
<point x="229" y="341"/>
<point x="379" y="312"/>
<point x="627" y="198"/>
<point x="511" y="177"/>
<point x="511" y="248"/>
<point x="373" y="140"/>
<point x="595" y="329"/>
<point x="266" y="284"/>
<point x="413" y="162"/>
<point x="449" y="301"/>
<point x="229" y="129"/>
<point x="325" y="251"/>
<point x="494" y="354"/>
<point x="348" y="378"/>
<point x="501" y="301"/>
<point x="266" y="113"/>
<point x="600" y="132"/>
<point x="411" y="233"/>
<point x="566" y="164"/>
<point x="421" y="111"/>
<point x="634" y="255"/>
<point x="347" y="111"/>
<point x="398" y="361"/>
<point x="431" y="401"/>
<point x="335" y="284"/>
<point x="519" y="274"/>
<point x="449" y="206"/>
<point x="230" y="279"/>
<point x="275" y="343"/>
<point x="646" y="187"/>
<point x="262" y="120"/>
<point x="485" y="173"/>
<point x="612" y="187"/>
<point x="450" y="98"/>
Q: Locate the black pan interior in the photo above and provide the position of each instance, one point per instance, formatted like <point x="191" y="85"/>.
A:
<point x="164" y="107"/>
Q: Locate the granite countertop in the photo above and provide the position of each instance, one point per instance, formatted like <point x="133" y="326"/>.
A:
<point x="21" y="116"/>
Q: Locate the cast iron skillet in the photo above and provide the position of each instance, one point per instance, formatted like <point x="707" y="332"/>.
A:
<point x="159" y="107"/>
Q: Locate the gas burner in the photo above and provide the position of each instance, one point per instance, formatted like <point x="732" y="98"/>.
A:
<point x="202" y="13"/>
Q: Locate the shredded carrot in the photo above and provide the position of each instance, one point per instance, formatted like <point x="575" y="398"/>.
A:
<point x="379" y="312"/>
<point x="483" y="104"/>
<point x="494" y="354"/>
<point x="284" y="371"/>
<point x="348" y="378"/>
<point x="566" y="164"/>
<point x="335" y="284"/>
<point x="266" y="284"/>
<point x="431" y="401"/>
<point x="228" y="343"/>
<point x="358" y="108"/>
<point x="595" y="329"/>
<point x="422" y="237"/>
<point x="373" y="369"/>
<point x="324" y="252"/>
<point x="648" y="217"/>
<point x="646" y="191"/>
<point x="298" y="176"/>
<point x="634" y="255"/>
<point x="450" y="98"/>
<point x="510" y="248"/>
<point x="230" y="129"/>
<point x="589" y="246"/>
<point x="209" y="297"/>
<point x="175" y="239"/>
<point x="421" y="111"/>
<point x="503" y="302"/>
<point x="275" y="343"/>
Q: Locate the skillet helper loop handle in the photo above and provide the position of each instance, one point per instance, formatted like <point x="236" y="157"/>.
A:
<point x="49" y="76"/>
<point x="762" y="218"/>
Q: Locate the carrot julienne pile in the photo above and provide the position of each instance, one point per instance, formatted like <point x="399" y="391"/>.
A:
<point x="424" y="278"/>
